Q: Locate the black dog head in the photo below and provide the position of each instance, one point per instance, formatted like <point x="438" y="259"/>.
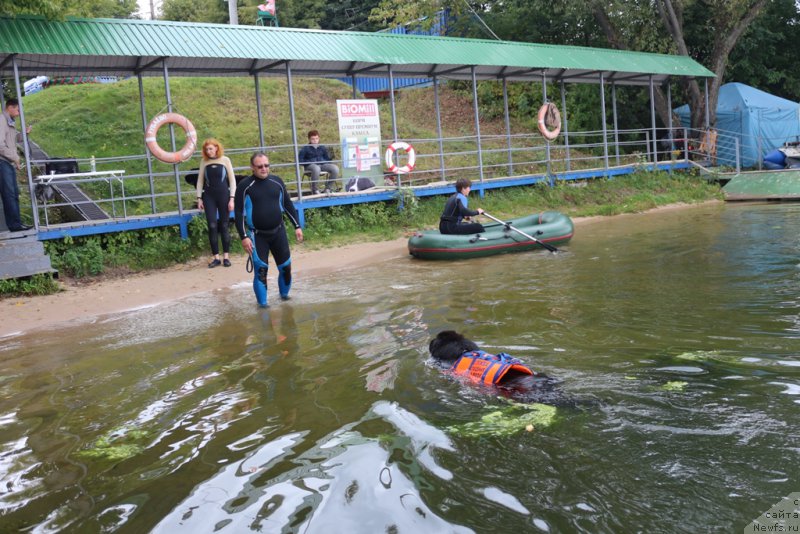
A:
<point x="449" y="345"/>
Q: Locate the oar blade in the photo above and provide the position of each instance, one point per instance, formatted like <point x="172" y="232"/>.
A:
<point x="548" y="246"/>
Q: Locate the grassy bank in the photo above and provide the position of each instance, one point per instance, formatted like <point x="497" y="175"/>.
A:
<point x="109" y="255"/>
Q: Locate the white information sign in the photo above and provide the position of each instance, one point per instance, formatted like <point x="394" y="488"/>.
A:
<point x="360" y="138"/>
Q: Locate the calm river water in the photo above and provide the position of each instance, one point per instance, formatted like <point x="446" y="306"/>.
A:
<point x="674" y="336"/>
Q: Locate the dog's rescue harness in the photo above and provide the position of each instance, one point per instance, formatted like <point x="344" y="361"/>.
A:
<point x="486" y="368"/>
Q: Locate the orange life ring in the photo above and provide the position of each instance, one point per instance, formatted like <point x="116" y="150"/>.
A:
<point x="549" y="116"/>
<point x="390" y="152"/>
<point x="159" y="153"/>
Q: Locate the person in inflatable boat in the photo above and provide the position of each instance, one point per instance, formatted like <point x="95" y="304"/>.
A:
<point x="510" y="375"/>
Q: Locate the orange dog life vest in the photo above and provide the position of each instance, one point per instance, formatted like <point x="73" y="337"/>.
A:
<point x="488" y="368"/>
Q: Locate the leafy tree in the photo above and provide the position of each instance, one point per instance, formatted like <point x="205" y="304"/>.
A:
<point x="540" y="21"/>
<point x="315" y="14"/>
<point x="55" y="9"/>
<point x="393" y="12"/>
<point x="718" y="25"/>
<point x="766" y="55"/>
<point x="301" y="13"/>
<point x="48" y="8"/>
<point x="118" y="9"/>
<point x="350" y="15"/>
<point x="215" y="11"/>
<point x="706" y="30"/>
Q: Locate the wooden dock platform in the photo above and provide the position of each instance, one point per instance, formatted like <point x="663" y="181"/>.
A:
<point x="764" y="185"/>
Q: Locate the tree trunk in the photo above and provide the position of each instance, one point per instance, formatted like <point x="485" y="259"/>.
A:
<point x="602" y="18"/>
<point x="727" y="35"/>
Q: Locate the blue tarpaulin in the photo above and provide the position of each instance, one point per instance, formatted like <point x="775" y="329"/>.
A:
<point x="762" y="122"/>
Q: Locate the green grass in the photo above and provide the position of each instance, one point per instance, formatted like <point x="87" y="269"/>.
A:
<point x="104" y="120"/>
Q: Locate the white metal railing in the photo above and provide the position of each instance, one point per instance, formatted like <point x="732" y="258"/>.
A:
<point x="140" y="193"/>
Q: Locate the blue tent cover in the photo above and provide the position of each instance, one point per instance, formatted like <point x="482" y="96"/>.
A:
<point x="762" y="122"/>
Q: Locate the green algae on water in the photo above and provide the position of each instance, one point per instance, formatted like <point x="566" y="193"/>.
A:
<point x="508" y="421"/>
<point x="118" y="444"/>
<point x="674" y="385"/>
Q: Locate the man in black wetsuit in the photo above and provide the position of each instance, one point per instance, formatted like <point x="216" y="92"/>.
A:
<point x="455" y="210"/>
<point x="261" y="202"/>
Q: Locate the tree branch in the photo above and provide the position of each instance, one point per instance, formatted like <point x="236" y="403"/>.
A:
<point x="728" y="40"/>
<point x="610" y="31"/>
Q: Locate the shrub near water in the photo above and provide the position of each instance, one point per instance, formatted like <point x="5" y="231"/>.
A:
<point x="137" y="250"/>
<point x="38" y="284"/>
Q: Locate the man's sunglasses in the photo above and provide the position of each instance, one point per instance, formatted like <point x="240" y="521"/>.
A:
<point x="262" y="166"/>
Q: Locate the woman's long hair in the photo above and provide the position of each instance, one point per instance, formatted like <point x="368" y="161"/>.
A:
<point x="212" y="141"/>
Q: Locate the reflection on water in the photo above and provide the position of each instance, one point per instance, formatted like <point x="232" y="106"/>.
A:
<point x="677" y="333"/>
<point x="344" y="483"/>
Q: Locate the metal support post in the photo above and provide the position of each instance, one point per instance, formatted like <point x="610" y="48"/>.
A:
<point x="547" y="141"/>
<point x="394" y="116"/>
<point x="566" y="122"/>
<point x="477" y="123"/>
<point x="653" y="120"/>
<point x="615" y="118"/>
<point x="669" y="126"/>
<point x="603" y="118"/>
<point x="175" y="172"/>
<point x="439" y="125"/>
<point x="293" y="124"/>
<point x="26" y="147"/>
<point x="508" y="128"/>
<point x="147" y="150"/>
<point x="260" y="115"/>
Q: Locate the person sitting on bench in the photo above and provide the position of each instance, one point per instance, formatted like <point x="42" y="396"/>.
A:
<point x="315" y="159"/>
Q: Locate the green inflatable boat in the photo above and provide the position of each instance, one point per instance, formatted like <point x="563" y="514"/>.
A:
<point x="550" y="227"/>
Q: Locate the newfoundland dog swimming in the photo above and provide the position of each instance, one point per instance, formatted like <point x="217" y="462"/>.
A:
<point x="508" y="375"/>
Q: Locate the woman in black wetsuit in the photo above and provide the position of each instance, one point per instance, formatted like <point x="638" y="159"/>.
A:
<point x="455" y="210"/>
<point x="216" y="188"/>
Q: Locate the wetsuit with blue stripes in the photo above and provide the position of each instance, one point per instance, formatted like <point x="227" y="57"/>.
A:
<point x="260" y="206"/>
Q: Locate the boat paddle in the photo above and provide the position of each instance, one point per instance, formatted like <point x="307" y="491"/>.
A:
<point x="548" y="246"/>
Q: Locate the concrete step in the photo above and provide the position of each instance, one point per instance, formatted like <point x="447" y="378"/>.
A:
<point x="22" y="255"/>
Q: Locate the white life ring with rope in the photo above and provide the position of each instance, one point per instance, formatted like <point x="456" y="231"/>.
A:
<point x="549" y="117"/>
<point x="159" y="153"/>
<point x="392" y="150"/>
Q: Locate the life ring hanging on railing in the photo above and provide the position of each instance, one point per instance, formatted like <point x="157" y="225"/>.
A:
<point x="392" y="150"/>
<point x="159" y="153"/>
<point x="549" y="117"/>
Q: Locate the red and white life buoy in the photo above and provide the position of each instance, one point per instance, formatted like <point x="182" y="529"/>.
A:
<point x="159" y="153"/>
<point x="549" y="116"/>
<point x="390" y="152"/>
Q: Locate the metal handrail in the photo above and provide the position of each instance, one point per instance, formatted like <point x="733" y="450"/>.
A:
<point x="503" y="156"/>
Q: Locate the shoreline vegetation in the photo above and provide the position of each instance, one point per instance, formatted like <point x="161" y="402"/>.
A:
<point x="99" y="257"/>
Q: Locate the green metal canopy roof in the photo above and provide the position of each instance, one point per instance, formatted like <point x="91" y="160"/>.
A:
<point x="123" y="47"/>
